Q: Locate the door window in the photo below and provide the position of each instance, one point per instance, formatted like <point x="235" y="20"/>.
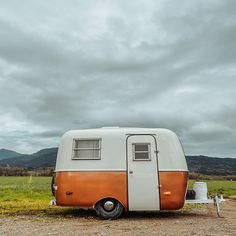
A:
<point x="141" y="151"/>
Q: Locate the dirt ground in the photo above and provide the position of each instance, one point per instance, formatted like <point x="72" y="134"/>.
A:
<point x="197" y="221"/>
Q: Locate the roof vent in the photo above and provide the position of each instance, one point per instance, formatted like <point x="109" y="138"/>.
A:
<point x="111" y="127"/>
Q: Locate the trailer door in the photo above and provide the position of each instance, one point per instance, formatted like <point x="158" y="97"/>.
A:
<point x="143" y="183"/>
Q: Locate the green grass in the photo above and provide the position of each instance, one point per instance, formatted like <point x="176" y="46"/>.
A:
<point x="31" y="195"/>
<point x="25" y="188"/>
<point x="26" y="195"/>
<point x="227" y="188"/>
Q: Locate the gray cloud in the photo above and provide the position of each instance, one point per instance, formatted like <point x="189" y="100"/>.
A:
<point x="139" y="63"/>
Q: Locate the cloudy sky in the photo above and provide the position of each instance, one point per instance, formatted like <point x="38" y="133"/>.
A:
<point x="86" y="64"/>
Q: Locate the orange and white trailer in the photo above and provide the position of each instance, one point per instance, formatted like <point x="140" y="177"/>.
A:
<point x="115" y="169"/>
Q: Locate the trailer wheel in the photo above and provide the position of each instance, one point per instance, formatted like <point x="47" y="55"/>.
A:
<point x="108" y="209"/>
<point x="52" y="186"/>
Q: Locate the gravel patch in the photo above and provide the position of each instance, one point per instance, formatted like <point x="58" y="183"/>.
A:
<point x="197" y="221"/>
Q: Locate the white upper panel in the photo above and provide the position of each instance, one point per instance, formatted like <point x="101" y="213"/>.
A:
<point x="113" y="149"/>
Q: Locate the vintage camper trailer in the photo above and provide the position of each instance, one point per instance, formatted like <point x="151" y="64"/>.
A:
<point x="115" y="169"/>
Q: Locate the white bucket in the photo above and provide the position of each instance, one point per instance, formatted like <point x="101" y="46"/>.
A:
<point x="200" y="189"/>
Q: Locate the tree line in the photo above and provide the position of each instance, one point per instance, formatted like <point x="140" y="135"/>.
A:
<point x="19" y="171"/>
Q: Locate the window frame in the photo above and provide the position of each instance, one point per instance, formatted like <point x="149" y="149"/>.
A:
<point x="148" y="151"/>
<point x="77" y="149"/>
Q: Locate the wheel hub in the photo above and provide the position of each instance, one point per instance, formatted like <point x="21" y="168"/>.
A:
<point x="108" y="205"/>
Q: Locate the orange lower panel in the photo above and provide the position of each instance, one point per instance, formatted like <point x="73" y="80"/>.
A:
<point x="173" y="189"/>
<point x="84" y="189"/>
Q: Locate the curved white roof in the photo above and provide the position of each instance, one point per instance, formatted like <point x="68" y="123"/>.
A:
<point x="170" y="157"/>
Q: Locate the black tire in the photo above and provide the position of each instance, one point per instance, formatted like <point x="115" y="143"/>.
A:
<point x="52" y="187"/>
<point x="111" y="214"/>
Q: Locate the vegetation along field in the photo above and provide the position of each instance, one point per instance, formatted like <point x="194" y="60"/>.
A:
<point x="26" y="195"/>
<point x="32" y="195"/>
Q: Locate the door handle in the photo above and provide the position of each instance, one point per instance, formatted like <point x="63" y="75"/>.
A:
<point x="131" y="172"/>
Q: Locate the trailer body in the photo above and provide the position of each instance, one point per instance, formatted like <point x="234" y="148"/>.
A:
<point x="141" y="169"/>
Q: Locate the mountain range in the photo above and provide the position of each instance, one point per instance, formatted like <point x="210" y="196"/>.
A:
<point x="47" y="158"/>
<point x="43" y="158"/>
<point x="5" y="154"/>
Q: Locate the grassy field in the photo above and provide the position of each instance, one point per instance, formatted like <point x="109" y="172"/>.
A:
<point x="227" y="188"/>
<point x="32" y="195"/>
<point x="21" y="194"/>
<point x="29" y="195"/>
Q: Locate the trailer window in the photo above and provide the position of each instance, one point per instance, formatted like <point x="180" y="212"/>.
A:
<point x="86" y="149"/>
<point x="141" y="151"/>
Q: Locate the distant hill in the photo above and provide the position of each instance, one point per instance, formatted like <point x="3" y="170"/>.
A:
<point x="5" y="154"/>
<point x="43" y="158"/>
<point x="47" y="158"/>
<point x="211" y="165"/>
